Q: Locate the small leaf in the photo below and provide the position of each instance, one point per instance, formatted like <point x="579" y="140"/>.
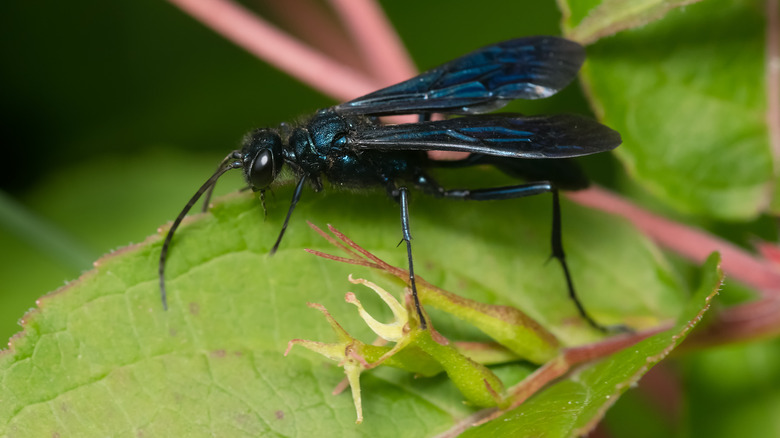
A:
<point x="585" y="22"/>
<point x="574" y="406"/>
<point x="688" y="95"/>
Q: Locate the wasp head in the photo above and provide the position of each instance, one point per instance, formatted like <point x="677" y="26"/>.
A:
<point x="262" y="158"/>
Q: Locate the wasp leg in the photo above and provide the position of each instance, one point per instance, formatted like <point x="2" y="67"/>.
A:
<point x="521" y="191"/>
<point x="403" y="199"/>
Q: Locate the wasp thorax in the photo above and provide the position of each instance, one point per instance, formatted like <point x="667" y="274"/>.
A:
<point x="262" y="152"/>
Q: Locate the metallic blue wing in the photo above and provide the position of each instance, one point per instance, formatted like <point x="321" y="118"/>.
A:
<point x="500" y="135"/>
<point x="484" y="80"/>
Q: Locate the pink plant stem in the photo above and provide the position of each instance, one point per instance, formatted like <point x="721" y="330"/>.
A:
<point x="570" y="357"/>
<point x="689" y="242"/>
<point x="379" y="44"/>
<point x="313" y="22"/>
<point x="753" y="320"/>
<point x="267" y="42"/>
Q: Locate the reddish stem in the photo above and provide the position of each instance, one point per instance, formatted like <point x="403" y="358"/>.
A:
<point x="260" y="38"/>
<point x="687" y="241"/>
<point x="313" y="22"/>
<point x="755" y="320"/>
<point x="570" y="357"/>
<point x="379" y="44"/>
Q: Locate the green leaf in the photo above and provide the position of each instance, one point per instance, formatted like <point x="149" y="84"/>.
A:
<point x="574" y="406"/>
<point x="587" y="21"/>
<point x="688" y="95"/>
<point x="101" y="356"/>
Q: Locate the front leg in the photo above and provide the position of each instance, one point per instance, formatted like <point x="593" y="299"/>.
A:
<point x="296" y="197"/>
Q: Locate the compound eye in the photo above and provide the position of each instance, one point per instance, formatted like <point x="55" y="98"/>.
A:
<point x="263" y="170"/>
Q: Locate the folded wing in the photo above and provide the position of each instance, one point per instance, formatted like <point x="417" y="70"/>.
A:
<point x="501" y="135"/>
<point x="484" y="80"/>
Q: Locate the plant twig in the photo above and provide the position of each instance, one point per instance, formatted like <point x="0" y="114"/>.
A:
<point x="379" y="44"/>
<point x="687" y="241"/>
<point x="265" y="41"/>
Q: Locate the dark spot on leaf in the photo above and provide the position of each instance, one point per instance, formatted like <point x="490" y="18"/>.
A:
<point x="194" y="308"/>
<point x="279" y="415"/>
<point x="55" y="435"/>
<point x="218" y="353"/>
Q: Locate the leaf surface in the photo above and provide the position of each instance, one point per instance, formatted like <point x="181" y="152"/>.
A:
<point x="688" y="95"/>
<point x="101" y="356"/>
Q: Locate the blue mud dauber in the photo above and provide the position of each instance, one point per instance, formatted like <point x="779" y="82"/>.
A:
<point x="348" y="146"/>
